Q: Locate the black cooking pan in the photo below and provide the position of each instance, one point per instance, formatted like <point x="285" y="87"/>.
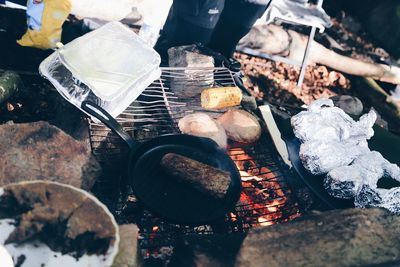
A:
<point x="161" y="193"/>
<point x="383" y="141"/>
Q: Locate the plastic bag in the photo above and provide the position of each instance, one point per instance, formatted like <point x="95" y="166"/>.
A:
<point x="110" y="66"/>
<point x="45" y="22"/>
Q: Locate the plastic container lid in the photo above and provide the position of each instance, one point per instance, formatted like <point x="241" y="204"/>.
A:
<point x="109" y="60"/>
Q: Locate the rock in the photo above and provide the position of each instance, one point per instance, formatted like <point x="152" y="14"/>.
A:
<point x="351" y="237"/>
<point x="350" y="104"/>
<point x="192" y="82"/>
<point x="188" y="56"/>
<point x="128" y="253"/>
<point x="207" y="250"/>
<point x="10" y="84"/>
<point x="40" y="151"/>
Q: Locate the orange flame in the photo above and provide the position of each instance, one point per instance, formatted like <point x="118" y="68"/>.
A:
<point x="262" y="198"/>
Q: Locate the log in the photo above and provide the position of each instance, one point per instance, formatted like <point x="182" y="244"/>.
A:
<point x="352" y="237"/>
<point x="381" y="100"/>
<point x="205" y="178"/>
<point x="274" y="40"/>
<point x="10" y="84"/>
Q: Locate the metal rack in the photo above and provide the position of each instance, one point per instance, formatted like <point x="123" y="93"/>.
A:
<point x="266" y="198"/>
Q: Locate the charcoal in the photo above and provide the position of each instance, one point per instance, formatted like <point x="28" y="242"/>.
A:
<point x="351" y="237"/>
<point x="40" y="151"/>
<point x="190" y="83"/>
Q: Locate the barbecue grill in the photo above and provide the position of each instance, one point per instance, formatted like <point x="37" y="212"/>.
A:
<point x="266" y="197"/>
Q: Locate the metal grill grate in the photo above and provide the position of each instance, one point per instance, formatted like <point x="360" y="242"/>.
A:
<point x="266" y="198"/>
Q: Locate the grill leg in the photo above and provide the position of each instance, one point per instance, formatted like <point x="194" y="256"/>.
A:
<point x="305" y="58"/>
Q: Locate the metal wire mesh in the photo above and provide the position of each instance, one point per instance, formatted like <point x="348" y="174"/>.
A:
<point x="266" y="198"/>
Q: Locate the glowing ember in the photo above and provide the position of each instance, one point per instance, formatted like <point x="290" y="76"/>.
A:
<point x="247" y="177"/>
<point x="264" y="222"/>
<point x="262" y="200"/>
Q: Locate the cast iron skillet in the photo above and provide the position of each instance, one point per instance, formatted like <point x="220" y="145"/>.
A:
<point x="161" y="194"/>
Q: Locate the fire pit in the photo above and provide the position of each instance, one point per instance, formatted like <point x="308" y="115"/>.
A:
<point x="266" y="197"/>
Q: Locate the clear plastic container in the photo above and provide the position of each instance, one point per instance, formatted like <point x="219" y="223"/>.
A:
<point x="110" y="66"/>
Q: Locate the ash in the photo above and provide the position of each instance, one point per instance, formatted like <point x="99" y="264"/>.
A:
<point x="336" y="145"/>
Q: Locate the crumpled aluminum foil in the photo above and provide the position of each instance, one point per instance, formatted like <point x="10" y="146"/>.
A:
<point x="335" y="144"/>
<point x="384" y="198"/>
<point x="322" y="121"/>
<point x="320" y="157"/>
<point x="367" y="169"/>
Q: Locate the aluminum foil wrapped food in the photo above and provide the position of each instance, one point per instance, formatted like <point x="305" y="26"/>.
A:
<point x="322" y="121"/>
<point x="320" y="157"/>
<point x="335" y="144"/>
<point x="367" y="169"/>
<point x="330" y="137"/>
<point x="378" y="197"/>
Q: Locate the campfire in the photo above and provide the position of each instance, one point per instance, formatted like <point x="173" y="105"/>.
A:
<point x="266" y="197"/>
<point x="263" y="199"/>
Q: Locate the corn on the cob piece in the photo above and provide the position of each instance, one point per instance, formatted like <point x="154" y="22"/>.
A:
<point x="222" y="97"/>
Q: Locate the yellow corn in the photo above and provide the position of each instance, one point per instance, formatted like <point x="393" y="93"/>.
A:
<point x="222" y="97"/>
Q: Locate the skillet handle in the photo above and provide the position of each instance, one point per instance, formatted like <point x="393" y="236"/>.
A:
<point x="105" y="117"/>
